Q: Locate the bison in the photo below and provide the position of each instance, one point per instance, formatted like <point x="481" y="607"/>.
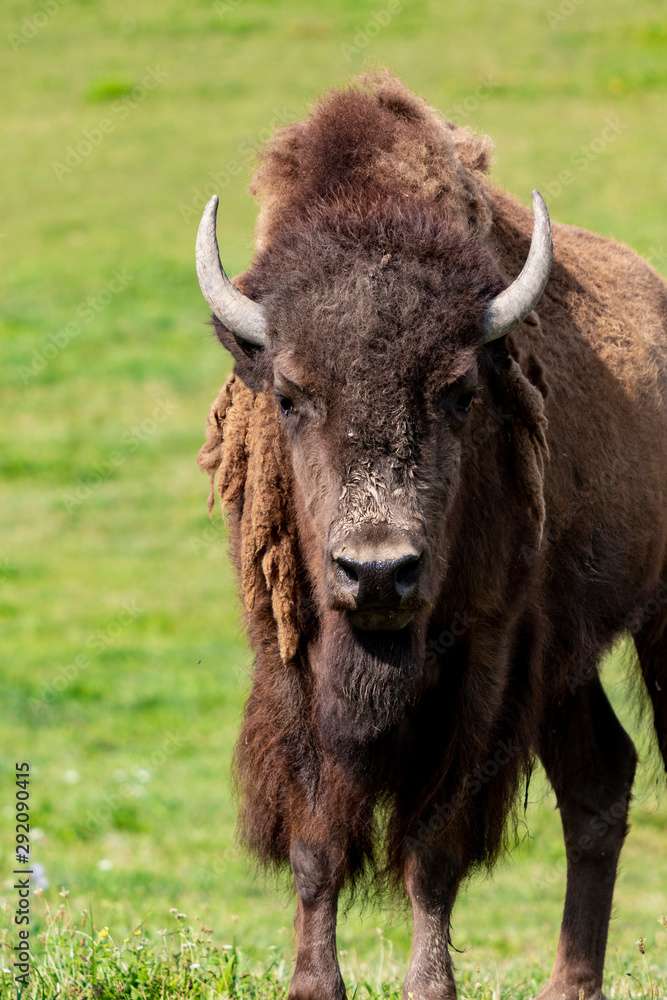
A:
<point x="443" y="458"/>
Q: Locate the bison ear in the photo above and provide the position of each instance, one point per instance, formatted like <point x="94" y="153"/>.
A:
<point x="252" y="364"/>
<point x="521" y="404"/>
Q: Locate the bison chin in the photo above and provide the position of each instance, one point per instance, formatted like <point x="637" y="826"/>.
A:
<point x="367" y="684"/>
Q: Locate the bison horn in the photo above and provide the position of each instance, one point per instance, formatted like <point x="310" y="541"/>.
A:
<point x="513" y="305"/>
<point x="239" y="314"/>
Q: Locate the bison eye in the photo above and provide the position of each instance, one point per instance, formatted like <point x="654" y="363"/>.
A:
<point x="464" y="402"/>
<point x="286" y="405"/>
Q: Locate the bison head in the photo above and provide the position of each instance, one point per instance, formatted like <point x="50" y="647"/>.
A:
<point x="370" y="322"/>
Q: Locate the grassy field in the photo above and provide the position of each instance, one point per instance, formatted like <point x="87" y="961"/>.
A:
<point x="124" y="666"/>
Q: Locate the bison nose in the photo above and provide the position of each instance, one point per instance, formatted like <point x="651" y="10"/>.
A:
<point x="380" y="583"/>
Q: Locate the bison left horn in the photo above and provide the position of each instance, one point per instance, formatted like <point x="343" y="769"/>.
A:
<point x="512" y="306"/>
<point x="239" y="314"/>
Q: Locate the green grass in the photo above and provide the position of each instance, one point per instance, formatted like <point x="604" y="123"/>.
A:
<point x="102" y="507"/>
<point x="81" y="960"/>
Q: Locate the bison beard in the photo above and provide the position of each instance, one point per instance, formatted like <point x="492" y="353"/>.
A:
<point x="366" y="684"/>
<point x="372" y="332"/>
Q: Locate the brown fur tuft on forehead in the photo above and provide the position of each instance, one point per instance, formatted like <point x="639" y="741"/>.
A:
<point x="377" y="282"/>
<point x="378" y="137"/>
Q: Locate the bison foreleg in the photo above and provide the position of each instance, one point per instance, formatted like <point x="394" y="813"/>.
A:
<point x="432" y="879"/>
<point x="590" y="761"/>
<point x="317" y="874"/>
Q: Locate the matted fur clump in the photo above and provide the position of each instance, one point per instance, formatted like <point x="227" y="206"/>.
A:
<point x="243" y="455"/>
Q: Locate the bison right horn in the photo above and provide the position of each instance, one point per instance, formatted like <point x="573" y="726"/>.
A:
<point x="512" y="306"/>
<point x="239" y="314"/>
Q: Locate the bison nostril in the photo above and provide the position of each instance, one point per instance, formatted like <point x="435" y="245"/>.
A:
<point x="349" y="570"/>
<point x="407" y="575"/>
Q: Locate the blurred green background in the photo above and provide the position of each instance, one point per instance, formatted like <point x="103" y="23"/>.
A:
<point x="124" y="664"/>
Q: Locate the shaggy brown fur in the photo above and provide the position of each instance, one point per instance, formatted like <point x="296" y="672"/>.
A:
<point x="543" y="518"/>
<point x="243" y="447"/>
